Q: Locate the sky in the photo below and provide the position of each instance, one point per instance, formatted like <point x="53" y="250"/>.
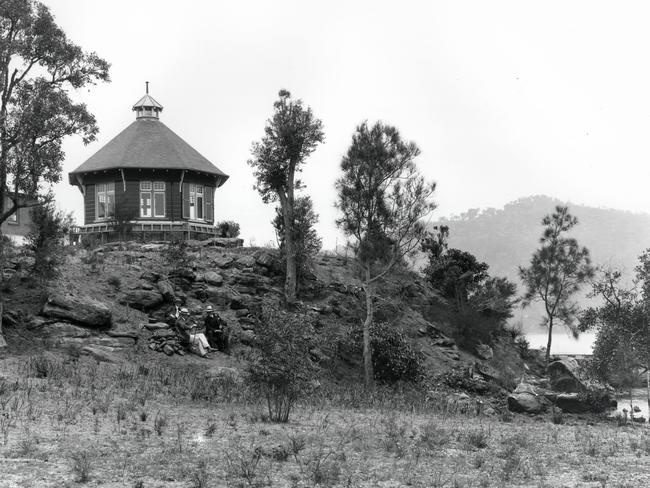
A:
<point x="504" y="99"/>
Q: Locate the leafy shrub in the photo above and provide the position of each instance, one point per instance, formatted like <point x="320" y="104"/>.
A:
<point x="281" y="369"/>
<point x="393" y="358"/>
<point x="49" y="227"/>
<point x="471" y="327"/>
<point x="82" y="464"/>
<point x="175" y="254"/>
<point x="228" y="228"/>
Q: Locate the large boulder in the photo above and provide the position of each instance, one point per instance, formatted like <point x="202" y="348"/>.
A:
<point x="223" y="262"/>
<point x="77" y="308"/>
<point x="266" y="259"/>
<point x="142" y="299"/>
<point x="213" y="278"/>
<point x="166" y="289"/>
<point x="526" y="403"/>
<point x="245" y="262"/>
<point x="221" y="296"/>
<point x="566" y="377"/>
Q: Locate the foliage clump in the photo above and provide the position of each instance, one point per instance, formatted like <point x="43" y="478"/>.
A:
<point x="393" y="357"/>
<point x="46" y="240"/>
<point x="281" y="368"/>
<point x="175" y="254"/>
<point x="307" y="243"/>
<point x="228" y="228"/>
<point x="482" y="304"/>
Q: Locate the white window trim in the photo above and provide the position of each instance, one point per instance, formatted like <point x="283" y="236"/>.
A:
<point x="149" y="187"/>
<point x="107" y="190"/>
<point x="196" y="195"/>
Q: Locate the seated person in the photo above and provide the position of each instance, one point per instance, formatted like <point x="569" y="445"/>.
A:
<point x="216" y="330"/>
<point x="190" y="338"/>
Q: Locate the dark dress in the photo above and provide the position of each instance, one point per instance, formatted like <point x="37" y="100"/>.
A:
<point x="216" y="332"/>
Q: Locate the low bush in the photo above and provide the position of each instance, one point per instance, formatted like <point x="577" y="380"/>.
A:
<point x="393" y="358"/>
<point x="281" y="369"/>
<point x="228" y="228"/>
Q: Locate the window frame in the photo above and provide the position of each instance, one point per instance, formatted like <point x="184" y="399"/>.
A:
<point x="105" y="190"/>
<point x="152" y="188"/>
<point x="193" y="197"/>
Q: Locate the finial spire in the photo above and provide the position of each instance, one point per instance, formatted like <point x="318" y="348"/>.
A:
<point x="146" y="87"/>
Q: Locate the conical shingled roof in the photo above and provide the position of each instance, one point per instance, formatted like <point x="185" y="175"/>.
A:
<point x="148" y="143"/>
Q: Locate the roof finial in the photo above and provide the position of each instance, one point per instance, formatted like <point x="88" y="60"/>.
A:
<point x="147" y="87"/>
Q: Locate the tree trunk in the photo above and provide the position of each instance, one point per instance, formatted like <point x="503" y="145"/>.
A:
<point x="290" y="279"/>
<point x="647" y="380"/>
<point x="369" y="374"/>
<point x="3" y="343"/>
<point x="550" y="337"/>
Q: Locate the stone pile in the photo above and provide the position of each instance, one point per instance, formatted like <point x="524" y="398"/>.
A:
<point x="163" y="339"/>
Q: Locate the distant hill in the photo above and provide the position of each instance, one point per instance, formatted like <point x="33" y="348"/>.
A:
<point x="506" y="238"/>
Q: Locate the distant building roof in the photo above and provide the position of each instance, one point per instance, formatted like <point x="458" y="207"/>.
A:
<point x="147" y="101"/>
<point x="148" y="144"/>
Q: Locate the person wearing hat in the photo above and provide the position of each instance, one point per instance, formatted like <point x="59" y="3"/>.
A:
<point x="216" y="330"/>
<point x="190" y="338"/>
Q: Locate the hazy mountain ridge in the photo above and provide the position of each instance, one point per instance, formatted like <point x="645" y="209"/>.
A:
<point x="506" y="238"/>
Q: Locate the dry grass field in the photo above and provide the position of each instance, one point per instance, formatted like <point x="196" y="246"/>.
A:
<point x="70" y="421"/>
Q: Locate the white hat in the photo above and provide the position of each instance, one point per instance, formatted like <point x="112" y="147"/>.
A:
<point x="209" y="308"/>
<point x="185" y="310"/>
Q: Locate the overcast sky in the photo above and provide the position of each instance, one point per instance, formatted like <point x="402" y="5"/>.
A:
<point x="505" y="99"/>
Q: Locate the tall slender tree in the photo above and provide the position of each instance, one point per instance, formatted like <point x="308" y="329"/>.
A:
<point x="290" y="136"/>
<point x="38" y="67"/>
<point x="557" y="271"/>
<point x="382" y="199"/>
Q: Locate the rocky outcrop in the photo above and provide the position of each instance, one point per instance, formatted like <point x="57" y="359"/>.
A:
<point x="79" y="309"/>
<point x="566" y="377"/>
<point x="142" y="299"/>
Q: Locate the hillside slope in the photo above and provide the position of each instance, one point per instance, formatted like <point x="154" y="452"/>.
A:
<point x="138" y="288"/>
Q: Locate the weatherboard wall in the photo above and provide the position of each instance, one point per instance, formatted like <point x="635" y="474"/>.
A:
<point x="127" y="193"/>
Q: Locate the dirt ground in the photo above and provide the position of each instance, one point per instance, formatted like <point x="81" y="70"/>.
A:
<point x="68" y="421"/>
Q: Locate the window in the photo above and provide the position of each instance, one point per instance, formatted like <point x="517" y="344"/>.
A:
<point x="196" y="202"/>
<point x="105" y="206"/>
<point x="152" y="199"/>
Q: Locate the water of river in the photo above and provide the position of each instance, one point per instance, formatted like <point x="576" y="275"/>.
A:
<point x="565" y="344"/>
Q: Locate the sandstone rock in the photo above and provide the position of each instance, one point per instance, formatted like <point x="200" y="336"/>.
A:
<point x="78" y="308"/>
<point x="151" y="247"/>
<point x="169" y="350"/>
<point x="223" y="262"/>
<point x="164" y="333"/>
<point x="101" y="354"/>
<point x="224" y="242"/>
<point x="142" y="299"/>
<point x="525" y="403"/>
<point x="213" y="278"/>
<point x="150" y="276"/>
<point x="484" y="351"/>
<point x="565" y="376"/>
<point x="64" y="329"/>
<point x="166" y="289"/>
<point x="185" y="273"/>
<point x="242" y="312"/>
<point x="444" y="342"/>
<point x="155" y="326"/>
<point x="123" y="334"/>
<point x="245" y="262"/>
<point x="265" y="259"/>
<point x="220" y="296"/>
